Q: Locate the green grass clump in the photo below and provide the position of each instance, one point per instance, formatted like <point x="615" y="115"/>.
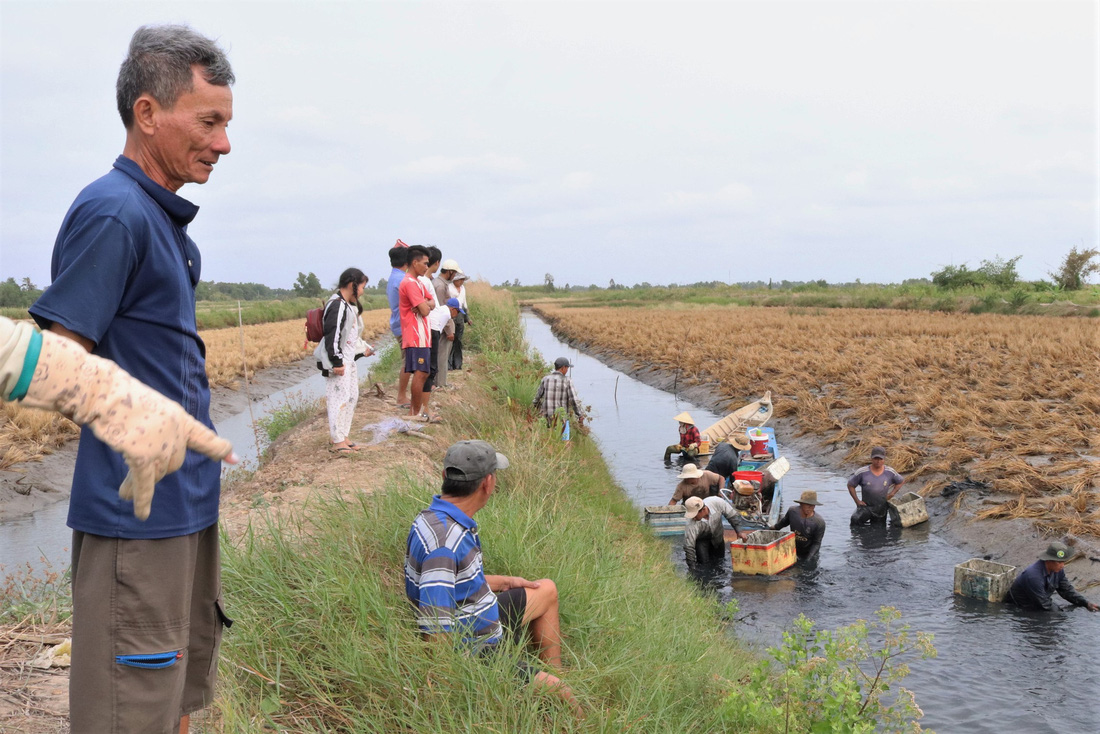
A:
<point x="286" y="416"/>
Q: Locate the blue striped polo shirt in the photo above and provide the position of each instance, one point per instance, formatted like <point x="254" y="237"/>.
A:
<point x="445" y="577"/>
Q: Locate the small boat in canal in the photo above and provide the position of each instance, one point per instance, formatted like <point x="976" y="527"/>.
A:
<point x="668" y="520"/>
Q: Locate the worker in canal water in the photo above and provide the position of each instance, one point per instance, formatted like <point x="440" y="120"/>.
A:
<point x="878" y="484"/>
<point x="704" y="538"/>
<point x="727" y="455"/>
<point x="688" y="444"/>
<point x="1034" y="588"/>
<point x="696" y="482"/>
<point x="808" y="526"/>
<point x="556" y="392"/>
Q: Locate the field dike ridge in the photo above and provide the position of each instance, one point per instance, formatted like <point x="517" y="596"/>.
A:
<point x="1011" y="541"/>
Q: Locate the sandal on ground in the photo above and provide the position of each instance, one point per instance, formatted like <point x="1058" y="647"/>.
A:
<point x="343" y="450"/>
<point x="404" y="406"/>
<point x="430" y="418"/>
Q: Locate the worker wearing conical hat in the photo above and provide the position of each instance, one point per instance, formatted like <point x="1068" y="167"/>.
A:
<point x="688" y="445"/>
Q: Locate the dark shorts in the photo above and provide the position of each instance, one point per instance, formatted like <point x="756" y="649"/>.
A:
<point x="434" y="356"/>
<point x="147" y="625"/>
<point x="416" y="359"/>
<point x="512" y="604"/>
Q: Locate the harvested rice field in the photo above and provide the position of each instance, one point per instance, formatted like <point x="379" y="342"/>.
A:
<point x="26" y="434"/>
<point x="1011" y="401"/>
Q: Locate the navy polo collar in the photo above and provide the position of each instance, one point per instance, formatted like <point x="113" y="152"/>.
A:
<point x="178" y="208"/>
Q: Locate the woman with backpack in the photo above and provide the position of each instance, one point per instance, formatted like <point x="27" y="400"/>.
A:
<point x="336" y="354"/>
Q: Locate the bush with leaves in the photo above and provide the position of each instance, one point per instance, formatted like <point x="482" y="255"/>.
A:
<point x="1076" y="269"/>
<point x="842" y="681"/>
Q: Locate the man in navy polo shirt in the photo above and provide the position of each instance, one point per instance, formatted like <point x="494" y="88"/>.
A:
<point x="147" y="615"/>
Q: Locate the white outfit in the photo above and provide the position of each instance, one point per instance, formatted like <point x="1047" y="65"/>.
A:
<point x="342" y="391"/>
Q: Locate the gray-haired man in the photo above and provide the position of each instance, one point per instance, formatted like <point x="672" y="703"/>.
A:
<point x="147" y="614"/>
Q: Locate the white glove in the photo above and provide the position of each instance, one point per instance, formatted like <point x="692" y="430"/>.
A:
<point x="151" y="432"/>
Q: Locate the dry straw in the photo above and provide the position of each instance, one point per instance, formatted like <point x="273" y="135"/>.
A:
<point x="1014" y="401"/>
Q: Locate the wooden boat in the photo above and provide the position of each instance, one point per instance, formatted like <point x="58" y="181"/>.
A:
<point x="756" y="413"/>
<point x="668" y="520"/>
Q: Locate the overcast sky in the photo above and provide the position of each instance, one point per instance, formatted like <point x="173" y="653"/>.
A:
<point x="660" y="142"/>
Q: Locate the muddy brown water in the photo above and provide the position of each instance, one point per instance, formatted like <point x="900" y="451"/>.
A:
<point x="998" y="669"/>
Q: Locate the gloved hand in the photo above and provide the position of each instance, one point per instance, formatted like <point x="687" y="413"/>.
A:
<point x="151" y="432"/>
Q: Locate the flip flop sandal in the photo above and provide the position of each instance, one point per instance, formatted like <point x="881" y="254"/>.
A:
<point x="405" y="406"/>
<point x="430" y="418"/>
<point x="353" y="446"/>
<point x="343" y="450"/>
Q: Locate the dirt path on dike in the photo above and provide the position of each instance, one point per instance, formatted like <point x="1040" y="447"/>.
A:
<point x="300" y="467"/>
<point x="1013" y="542"/>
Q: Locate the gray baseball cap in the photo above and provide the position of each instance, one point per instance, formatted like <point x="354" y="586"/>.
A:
<point x="878" y="453"/>
<point x="561" y="362"/>
<point x="469" y="460"/>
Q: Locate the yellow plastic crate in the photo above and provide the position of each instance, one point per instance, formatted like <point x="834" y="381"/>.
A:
<point x="764" y="553"/>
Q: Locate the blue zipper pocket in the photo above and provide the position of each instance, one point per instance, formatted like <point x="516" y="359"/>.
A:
<point x="150" y="661"/>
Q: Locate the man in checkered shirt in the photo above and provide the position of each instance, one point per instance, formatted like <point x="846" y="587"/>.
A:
<point x="557" y="391"/>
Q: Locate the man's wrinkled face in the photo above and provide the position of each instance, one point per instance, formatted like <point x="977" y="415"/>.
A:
<point x="191" y="136"/>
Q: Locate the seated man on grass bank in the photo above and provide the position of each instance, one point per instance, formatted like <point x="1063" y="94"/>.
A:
<point x="445" y="579"/>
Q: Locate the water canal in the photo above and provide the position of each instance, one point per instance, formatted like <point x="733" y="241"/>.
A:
<point x="997" y="670"/>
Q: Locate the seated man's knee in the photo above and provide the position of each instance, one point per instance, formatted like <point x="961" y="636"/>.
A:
<point x="550" y="589"/>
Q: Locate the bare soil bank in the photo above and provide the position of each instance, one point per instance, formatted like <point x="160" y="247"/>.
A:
<point x="1014" y="542"/>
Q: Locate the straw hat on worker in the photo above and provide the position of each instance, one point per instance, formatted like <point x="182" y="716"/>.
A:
<point x="739" y="441"/>
<point x="690" y="471"/>
<point x="685" y="417"/>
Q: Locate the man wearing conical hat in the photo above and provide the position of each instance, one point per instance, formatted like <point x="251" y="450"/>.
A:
<point x="688" y="445"/>
<point x="1034" y="588"/>
<point x="808" y="526"/>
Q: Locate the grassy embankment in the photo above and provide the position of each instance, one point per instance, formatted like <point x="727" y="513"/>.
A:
<point x="325" y="626"/>
<point x="1025" y="298"/>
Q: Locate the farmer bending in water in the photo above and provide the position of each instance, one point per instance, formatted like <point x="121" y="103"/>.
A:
<point x="1034" y="588"/>
<point x="704" y="538"/>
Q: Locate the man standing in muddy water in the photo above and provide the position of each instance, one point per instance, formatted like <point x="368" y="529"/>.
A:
<point x="878" y="484"/>
<point x="147" y="612"/>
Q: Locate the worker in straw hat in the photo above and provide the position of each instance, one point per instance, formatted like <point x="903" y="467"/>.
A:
<point x="704" y="538"/>
<point x="688" y="445"/>
<point x="727" y="455"/>
<point x="696" y="482"/>
<point x="808" y="526"/>
<point x="1034" y="588"/>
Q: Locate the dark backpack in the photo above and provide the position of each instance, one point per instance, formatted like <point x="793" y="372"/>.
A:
<point x="315" y="329"/>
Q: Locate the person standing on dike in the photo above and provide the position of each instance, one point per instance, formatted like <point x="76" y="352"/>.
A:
<point x="416" y="341"/>
<point x="399" y="265"/>
<point x="457" y="290"/>
<point x="147" y="597"/>
<point x="336" y="357"/>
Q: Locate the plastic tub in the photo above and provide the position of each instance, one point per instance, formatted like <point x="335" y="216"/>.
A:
<point x="749" y="476"/>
